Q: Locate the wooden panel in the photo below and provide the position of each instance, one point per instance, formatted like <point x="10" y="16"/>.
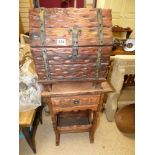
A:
<point x="59" y="22"/>
<point x="23" y="1"/>
<point x="92" y="107"/>
<point x="75" y="100"/>
<point x="72" y="72"/>
<point x="64" y="55"/>
<point x="88" y="36"/>
<point x="73" y="88"/>
<point x="24" y="6"/>
<point x="68" y="18"/>
<point x="26" y="24"/>
<point x="76" y="128"/>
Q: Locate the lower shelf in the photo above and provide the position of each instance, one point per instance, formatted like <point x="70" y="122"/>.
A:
<point x="73" y="121"/>
<point x="74" y="128"/>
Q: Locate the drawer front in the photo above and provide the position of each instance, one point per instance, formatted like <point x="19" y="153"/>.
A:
<point x="71" y="101"/>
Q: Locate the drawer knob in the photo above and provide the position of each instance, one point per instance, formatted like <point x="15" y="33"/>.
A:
<point x="75" y="101"/>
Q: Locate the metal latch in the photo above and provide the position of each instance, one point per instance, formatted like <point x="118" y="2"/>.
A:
<point x="75" y="48"/>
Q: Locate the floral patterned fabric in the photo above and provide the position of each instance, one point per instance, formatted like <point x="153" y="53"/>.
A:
<point x="29" y="89"/>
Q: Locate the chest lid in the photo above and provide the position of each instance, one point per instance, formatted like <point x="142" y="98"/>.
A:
<point x="70" y="27"/>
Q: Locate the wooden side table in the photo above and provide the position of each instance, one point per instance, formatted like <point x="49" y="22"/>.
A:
<point x="28" y="123"/>
<point x="75" y="107"/>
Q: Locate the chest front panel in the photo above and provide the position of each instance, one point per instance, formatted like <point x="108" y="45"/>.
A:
<point x="70" y="44"/>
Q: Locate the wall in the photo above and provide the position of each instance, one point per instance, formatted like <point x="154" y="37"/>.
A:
<point x="123" y="12"/>
<point x="24" y="6"/>
<point x="100" y="4"/>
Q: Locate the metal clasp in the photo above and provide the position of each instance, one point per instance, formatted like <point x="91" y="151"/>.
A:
<point x="75" y="32"/>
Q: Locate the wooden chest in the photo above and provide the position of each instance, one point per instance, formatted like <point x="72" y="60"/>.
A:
<point x="70" y="44"/>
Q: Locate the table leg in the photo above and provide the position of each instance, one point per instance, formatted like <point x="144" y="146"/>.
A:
<point x="40" y="109"/>
<point x="30" y="139"/>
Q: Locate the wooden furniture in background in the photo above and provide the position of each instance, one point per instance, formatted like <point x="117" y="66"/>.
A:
<point x="28" y="123"/>
<point x="118" y="29"/>
<point x="75" y="107"/>
<point x="121" y="52"/>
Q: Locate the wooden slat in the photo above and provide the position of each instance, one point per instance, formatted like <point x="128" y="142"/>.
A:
<point x="69" y="101"/>
<point x="64" y="55"/>
<point x="75" y="128"/>
<point x="62" y="89"/>
<point x="26" y="29"/>
<point x="25" y="14"/>
<point x="67" y="18"/>
<point x="24" y="5"/>
<point x="88" y="36"/>
<point x="51" y="22"/>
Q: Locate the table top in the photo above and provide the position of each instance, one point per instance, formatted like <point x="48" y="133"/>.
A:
<point x="26" y="118"/>
<point x="76" y="88"/>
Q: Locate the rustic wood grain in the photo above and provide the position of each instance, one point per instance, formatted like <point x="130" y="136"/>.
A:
<point x="67" y="18"/>
<point x="69" y="101"/>
<point x="58" y="23"/>
<point x="74" y="128"/>
<point x="64" y="89"/>
<point x="88" y="36"/>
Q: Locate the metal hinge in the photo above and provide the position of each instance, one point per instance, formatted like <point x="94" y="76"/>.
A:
<point x="100" y="37"/>
<point x="43" y="39"/>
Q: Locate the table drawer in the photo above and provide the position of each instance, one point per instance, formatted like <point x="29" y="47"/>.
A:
<point x="72" y="101"/>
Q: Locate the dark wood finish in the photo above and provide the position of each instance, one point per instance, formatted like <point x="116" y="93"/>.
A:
<point x="73" y="118"/>
<point x="69" y="17"/>
<point x="117" y="28"/>
<point x="121" y="52"/>
<point x="75" y="107"/>
<point x="84" y="38"/>
<point x="129" y="80"/>
<point x="58" y="23"/>
<point x="29" y="139"/>
<point x="62" y="66"/>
